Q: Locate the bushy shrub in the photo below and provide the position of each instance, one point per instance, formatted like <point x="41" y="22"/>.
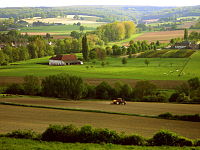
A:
<point x="164" y="137"/>
<point x="105" y="136"/>
<point x="60" y="133"/>
<point x="154" y="98"/>
<point x="32" y="85"/>
<point x="195" y="118"/>
<point x="26" y="134"/>
<point x="104" y="91"/>
<point x="197" y="142"/>
<point x="144" y="88"/>
<point x="15" y="89"/>
<point x="174" y="97"/>
<point x="166" y="116"/>
<point x="133" y="140"/>
<point x="86" y="134"/>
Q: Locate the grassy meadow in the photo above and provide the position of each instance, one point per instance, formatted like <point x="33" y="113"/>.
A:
<point x="158" y="69"/>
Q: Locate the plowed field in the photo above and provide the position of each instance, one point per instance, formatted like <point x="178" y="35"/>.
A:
<point x="15" y="117"/>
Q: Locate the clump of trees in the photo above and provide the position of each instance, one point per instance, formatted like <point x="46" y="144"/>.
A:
<point x="73" y="87"/>
<point x="188" y="92"/>
<point x="116" y="31"/>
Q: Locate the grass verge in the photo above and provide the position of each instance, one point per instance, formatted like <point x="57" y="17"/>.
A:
<point x="24" y="144"/>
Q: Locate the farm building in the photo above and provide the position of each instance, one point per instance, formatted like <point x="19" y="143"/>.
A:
<point x="185" y="45"/>
<point x="61" y="60"/>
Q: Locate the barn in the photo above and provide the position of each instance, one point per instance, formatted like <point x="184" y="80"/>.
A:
<point x="62" y="60"/>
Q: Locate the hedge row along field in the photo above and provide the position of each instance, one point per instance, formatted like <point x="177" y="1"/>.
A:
<point x="87" y="134"/>
<point x="183" y="53"/>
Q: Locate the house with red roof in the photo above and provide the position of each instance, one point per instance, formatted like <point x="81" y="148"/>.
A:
<point x="62" y="60"/>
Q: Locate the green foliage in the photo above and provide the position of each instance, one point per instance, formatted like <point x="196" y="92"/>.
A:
<point x="31" y="85"/>
<point x="63" y="85"/>
<point x="85" y="49"/>
<point x="104" y="91"/>
<point x="116" y="31"/>
<point x="15" y="89"/>
<point x="23" y="134"/>
<point x="144" y="88"/>
<point x="185" y="34"/>
<point x="124" y="61"/>
<point x="171" y="139"/>
<point x="147" y="62"/>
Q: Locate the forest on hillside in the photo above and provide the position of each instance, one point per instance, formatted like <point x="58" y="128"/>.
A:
<point x="107" y="13"/>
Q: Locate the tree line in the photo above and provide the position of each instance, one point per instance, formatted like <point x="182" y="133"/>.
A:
<point x="17" y="47"/>
<point x="116" y="31"/>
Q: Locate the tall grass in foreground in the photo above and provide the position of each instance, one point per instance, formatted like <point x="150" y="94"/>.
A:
<point x="27" y="144"/>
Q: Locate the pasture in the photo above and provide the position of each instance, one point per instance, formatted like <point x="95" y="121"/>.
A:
<point x="38" y="119"/>
<point x="158" y="69"/>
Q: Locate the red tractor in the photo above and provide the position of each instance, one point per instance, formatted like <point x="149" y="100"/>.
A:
<point x="119" y="101"/>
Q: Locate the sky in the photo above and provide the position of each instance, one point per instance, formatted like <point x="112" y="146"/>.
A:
<point x="36" y="3"/>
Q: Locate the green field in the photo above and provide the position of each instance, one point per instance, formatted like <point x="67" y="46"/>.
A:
<point x="59" y="29"/>
<point x="24" y="144"/>
<point x="125" y="41"/>
<point x="158" y="69"/>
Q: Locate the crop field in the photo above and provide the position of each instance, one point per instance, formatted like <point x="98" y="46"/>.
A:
<point x="158" y="69"/>
<point x="162" y="36"/>
<point x="88" y="20"/>
<point x="53" y="30"/>
<point x="38" y="119"/>
<point x="142" y="108"/>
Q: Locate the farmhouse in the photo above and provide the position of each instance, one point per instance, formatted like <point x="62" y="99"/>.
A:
<point x="61" y="60"/>
<point x="185" y="45"/>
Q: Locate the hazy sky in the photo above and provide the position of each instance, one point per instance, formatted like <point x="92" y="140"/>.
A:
<point x="33" y="3"/>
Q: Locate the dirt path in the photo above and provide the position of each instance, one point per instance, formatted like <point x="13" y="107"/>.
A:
<point x="163" y="84"/>
<point x="15" y="117"/>
<point x="131" y="107"/>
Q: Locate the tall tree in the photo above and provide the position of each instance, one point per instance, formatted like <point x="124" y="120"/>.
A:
<point x="85" y="47"/>
<point x="186" y="34"/>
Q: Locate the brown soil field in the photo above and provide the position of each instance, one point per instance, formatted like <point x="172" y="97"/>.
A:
<point x="162" y="36"/>
<point x="131" y="107"/>
<point x="15" y="117"/>
<point x="163" y="84"/>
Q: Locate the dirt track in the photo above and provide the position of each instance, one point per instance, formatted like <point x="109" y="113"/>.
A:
<point x="163" y="84"/>
<point x="14" y="117"/>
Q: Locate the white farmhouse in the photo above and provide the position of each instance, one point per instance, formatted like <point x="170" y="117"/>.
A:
<point x="61" y="60"/>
